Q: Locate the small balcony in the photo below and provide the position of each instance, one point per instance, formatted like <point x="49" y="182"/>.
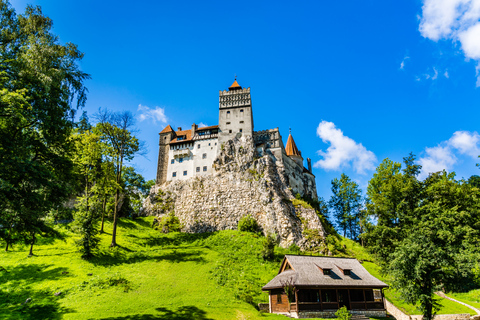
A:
<point x="182" y="153"/>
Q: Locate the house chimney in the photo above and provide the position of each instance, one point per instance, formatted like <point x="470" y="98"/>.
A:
<point x="194" y="127"/>
<point x="179" y="129"/>
<point x="309" y="161"/>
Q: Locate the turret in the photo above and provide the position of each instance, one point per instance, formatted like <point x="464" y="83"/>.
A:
<point x="235" y="113"/>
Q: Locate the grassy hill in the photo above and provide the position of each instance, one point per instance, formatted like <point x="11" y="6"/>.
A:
<point x="148" y="276"/>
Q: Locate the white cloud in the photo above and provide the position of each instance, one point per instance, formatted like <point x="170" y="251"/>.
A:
<point x="466" y="143"/>
<point x="446" y="74"/>
<point x="157" y="114"/>
<point x="201" y="125"/>
<point x="402" y="64"/>
<point x="343" y="151"/>
<point x="456" y="20"/>
<point x="444" y="155"/>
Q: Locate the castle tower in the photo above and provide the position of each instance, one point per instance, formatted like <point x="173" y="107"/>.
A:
<point x="292" y="151"/>
<point x="166" y="135"/>
<point x="235" y="113"/>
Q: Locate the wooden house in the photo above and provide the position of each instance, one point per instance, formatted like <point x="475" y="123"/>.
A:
<point x="322" y="285"/>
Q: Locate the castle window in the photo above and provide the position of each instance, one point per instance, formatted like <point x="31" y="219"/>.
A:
<point x="241" y="113"/>
<point x="204" y="168"/>
<point x="228" y="123"/>
<point x="172" y="161"/>
<point x="204" y="156"/>
<point x="198" y="146"/>
<point x="198" y="169"/>
<point x="209" y="144"/>
<point x="215" y="143"/>
<point x="242" y="121"/>
<point x="174" y="174"/>
<point x="241" y="130"/>
<point x="180" y="138"/>
<point x="241" y="110"/>
<point x="185" y="172"/>
<point x="229" y="131"/>
<point x="228" y="114"/>
<point x="180" y="160"/>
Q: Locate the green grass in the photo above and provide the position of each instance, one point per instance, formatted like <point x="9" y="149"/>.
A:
<point x="151" y="275"/>
<point x="148" y="276"/>
<point x="471" y="298"/>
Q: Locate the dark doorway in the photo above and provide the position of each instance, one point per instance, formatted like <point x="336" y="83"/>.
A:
<point x="343" y="299"/>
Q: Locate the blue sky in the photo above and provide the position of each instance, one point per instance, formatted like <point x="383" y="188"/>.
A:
<point x="356" y="81"/>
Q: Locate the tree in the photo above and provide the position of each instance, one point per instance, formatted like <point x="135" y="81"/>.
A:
<point x="346" y="203"/>
<point x="87" y="158"/>
<point x="117" y="132"/>
<point x="440" y="248"/>
<point x="41" y="87"/>
<point x="425" y="233"/>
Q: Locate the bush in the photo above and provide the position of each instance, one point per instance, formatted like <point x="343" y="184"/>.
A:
<point x="169" y="223"/>
<point x="268" y="250"/>
<point x="343" y="314"/>
<point x="248" y="224"/>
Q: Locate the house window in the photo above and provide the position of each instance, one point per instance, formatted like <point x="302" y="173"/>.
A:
<point x="279" y="298"/>
<point x="356" y="295"/>
<point x="204" y="156"/>
<point x="329" y="295"/>
<point x="198" y="146"/>
<point x="185" y="172"/>
<point x="369" y="295"/>
<point x="346" y="272"/>
<point x="180" y="160"/>
<point x="309" y="295"/>
<point x="205" y="168"/>
<point x="198" y="169"/>
<point x="174" y="174"/>
<point x="327" y="272"/>
<point x="172" y="161"/>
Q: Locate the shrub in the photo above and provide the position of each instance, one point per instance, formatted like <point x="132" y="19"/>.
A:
<point x="268" y="250"/>
<point x="169" y="223"/>
<point x="343" y="314"/>
<point x="248" y="224"/>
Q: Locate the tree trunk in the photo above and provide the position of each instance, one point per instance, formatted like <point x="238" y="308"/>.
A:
<point x="6" y="248"/>
<point x="103" y="213"/>
<point x="117" y="197"/>
<point x="31" y="245"/>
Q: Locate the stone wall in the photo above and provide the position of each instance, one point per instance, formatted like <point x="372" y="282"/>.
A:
<point x="241" y="185"/>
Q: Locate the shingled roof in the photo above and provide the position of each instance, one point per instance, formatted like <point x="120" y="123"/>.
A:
<point x="306" y="271"/>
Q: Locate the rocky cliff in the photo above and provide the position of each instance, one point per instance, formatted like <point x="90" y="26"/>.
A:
<point x="242" y="185"/>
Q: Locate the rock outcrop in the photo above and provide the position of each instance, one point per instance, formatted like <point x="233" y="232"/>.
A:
<point x="242" y="185"/>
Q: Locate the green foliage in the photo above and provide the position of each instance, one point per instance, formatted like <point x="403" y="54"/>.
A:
<point x="289" y="289"/>
<point x="169" y="223"/>
<point x="248" y="224"/>
<point x="41" y="87"/>
<point x="343" y="314"/>
<point x="268" y="249"/>
<point x="425" y="233"/>
<point x="346" y="204"/>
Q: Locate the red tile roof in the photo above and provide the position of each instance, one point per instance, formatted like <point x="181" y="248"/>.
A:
<point x="167" y="129"/>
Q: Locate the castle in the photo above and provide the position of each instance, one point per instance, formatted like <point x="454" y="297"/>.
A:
<point x="184" y="154"/>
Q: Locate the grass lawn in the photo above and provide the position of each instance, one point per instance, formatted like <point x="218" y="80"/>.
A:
<point x="148" y="276"/>
<point x="472" y="297"/>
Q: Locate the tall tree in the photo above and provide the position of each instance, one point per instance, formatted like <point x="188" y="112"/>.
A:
<point x="41" y="87"/>
<point x="117" y="131"/>
<point x="346" y="204"/>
